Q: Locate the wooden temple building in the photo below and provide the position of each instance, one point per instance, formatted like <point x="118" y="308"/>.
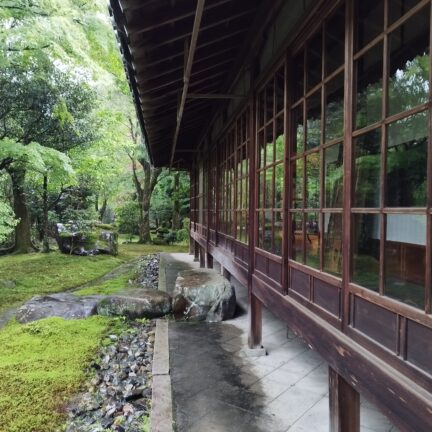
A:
<point x="305" y="126"/>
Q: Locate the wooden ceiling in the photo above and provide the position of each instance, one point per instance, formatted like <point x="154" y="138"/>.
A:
<point x="180" y="56"/>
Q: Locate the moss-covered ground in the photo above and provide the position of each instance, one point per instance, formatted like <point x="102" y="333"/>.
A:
<point x="38" y="273"/>
<point x="41" y="365"/>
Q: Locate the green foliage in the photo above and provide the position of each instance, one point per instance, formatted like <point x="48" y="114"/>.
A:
<point x="7" y="221"/>
<point x="44" y="362"/>
<point x="128" y="218"/>
<point x="182" y="235"/>
<point x="111" y="286"/>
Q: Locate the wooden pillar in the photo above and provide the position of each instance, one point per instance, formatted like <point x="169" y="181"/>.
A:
<point x="202" y="257"/>
<point x="255" y="322"/>
<point x="209" y="260"/>
<point x="196" y="251"/>
<point x="344" y="404"/>
<point x="191" y="245"/>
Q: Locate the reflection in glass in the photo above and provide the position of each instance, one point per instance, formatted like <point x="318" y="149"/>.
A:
<point x="261" y="149"/>
<point x="280" y="89"/>
<point x="369" y="71"/>
<point x="313" y="180"/>
<point x="298" y="184"/>
<point x="314" y="60"/>
<point x="269" y="145"/>
<point x="334" y="108"/>
<point x="298" y="75"/>
<point x="333" y="175"/>
<point x="268" y="188"/>
<point x="279" y="183"/>
<point x="260" y="229"/>
<point x="267" y="242"/>
<point x="313" y="240"/>
<point x="369" y="15"/>
<point x="313" y="120"/>
<point x="297" y="236"/>
<point x="335" y="40"/>
<point x="246" y="226"/>
<point x="298" y="141"/>
<point x="406" y="168"/>
<point x="261" y="189"/>
<point x="398" y="8"/>
<point x="405" y="252"/>
<point x="278" y="231"/>
<point x="366" y="246"/>
<point x="280" y="141"/>
<point x="409" y="64"/>
<point x="333" y="243"/>
<point x="367" y="160"/>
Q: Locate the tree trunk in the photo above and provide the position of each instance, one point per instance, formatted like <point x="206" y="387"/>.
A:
<point x="23" y="242"/>
<point x="45" y="247"/>
<point x="103" y="209"/>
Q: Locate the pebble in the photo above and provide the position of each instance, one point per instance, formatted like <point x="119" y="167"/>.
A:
<point x="119" y="392"/>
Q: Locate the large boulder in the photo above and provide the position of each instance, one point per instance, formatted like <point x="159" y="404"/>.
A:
<point x="61" y="305"/>
<point x="203" y="294"/>
<point x="93" y="240"/>
<point x="136" y="303"/>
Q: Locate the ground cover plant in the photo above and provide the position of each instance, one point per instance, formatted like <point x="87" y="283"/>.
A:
<point x="44" y="363"/>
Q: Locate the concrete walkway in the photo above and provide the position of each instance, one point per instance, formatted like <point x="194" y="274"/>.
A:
<point x="216" y="388"/>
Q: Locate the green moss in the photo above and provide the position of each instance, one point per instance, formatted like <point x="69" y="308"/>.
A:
<point x="41" y="365"/>
<point x="109" y="287"/>
<point x="35" y="274"/>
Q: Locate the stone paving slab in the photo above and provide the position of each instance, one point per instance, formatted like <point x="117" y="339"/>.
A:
<point x="217" y="389"/>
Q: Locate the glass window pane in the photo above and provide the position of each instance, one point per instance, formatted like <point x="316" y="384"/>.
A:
<point x="268" y="188"/>
<point x="280" y="89"/>
<point x="335" y="40"/>
<point x="333" y="243"/>
<point x="405" y="252"/>
<point x="398" y="8"/>
<point x="313" y="240"/>
<point x="334" y="108"/>
<point x="333" y="175"/>
<point x="261" y="150"/>
<point x="313" y="180"/>
<point x="298" y="141"/>
<point x="279" y="183"/>
<point x="278" y="233"/>
<point x="406" y="168"/>
<point x="366" y="246"/>
<point x="269" y="144"/>
<point x="298" y="184"/>
<point x="297" y="236"/>
<point x="298" y="75"/>
<point x="261" y="109"/>
<point x="260" y="229"/>
<point x="369" y="21"/>
<point x="246" y="225"/>
<point x="367" y="161"/>
<point x="261" y="189"/>
<point x="280" y="141"/>
<point x="314" y="60"/>
<point x="313" y="120"/>
<point x="409" y="64"/>
<point x="267" y="243"/>
<point x="369" y="71"/>
<point x="269" y="100"/>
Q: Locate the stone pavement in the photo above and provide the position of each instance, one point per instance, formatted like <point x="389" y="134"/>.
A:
<point x="217" y="388"/>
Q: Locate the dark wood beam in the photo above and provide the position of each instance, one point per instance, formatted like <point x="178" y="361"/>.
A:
<point x="214" y="96"/>
<point x="188" y="71"/>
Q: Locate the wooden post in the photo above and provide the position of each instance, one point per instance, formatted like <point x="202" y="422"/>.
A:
<point x="209" y="261"/>
<point x="344" y="404"/>
<point x="191" y="245"/>
<point x="196" y="251"/>
<point x="202" y="257"/>
<point x="255" y="323"/>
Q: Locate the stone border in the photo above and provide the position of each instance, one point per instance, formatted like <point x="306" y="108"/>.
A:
<point x="161" y="418"/>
